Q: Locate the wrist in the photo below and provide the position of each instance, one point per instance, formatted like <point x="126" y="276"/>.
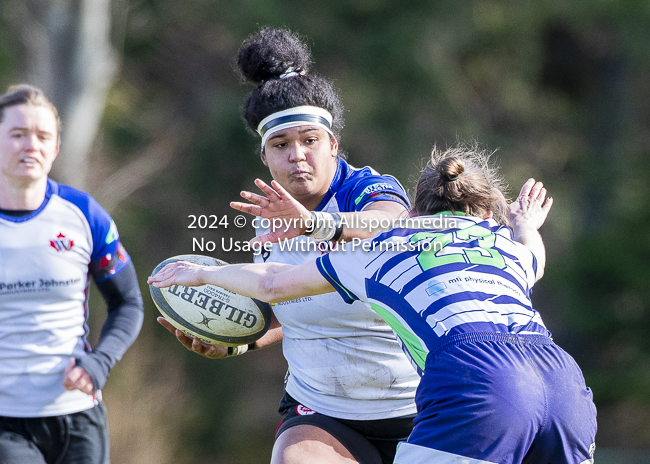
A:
<point x="308" y="222"/>
<point x="522" y="226"/>
<point x="526" y="235"/>
<point x="205" y="274"/>
<point x="239" y="350"/>
<point x="325" y="226"/>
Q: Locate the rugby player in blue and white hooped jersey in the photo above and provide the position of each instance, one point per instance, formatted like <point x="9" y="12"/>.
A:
<point x="52" y="239"/>
<point x="456" y="289"/>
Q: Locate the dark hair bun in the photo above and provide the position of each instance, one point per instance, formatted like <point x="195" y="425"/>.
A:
<point x="263" y="58"/>
<point x="270" y="53"/>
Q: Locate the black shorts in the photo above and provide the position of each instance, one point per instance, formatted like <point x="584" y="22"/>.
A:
<point x="369" y="441"/>
<point x="81" y="437"/>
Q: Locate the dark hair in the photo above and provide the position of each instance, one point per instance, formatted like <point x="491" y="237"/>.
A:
<point x="25" y="94"/>
<point x="460" y="179"/>
<point x="267" y="55"/>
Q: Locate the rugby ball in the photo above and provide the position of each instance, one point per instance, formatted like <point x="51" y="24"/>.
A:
<point x="210" y="313"/>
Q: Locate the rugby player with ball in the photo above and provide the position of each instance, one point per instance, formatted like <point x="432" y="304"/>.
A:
<point x="349" y="394"/>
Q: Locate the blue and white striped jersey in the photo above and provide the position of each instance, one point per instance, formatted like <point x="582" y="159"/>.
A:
<point x="430" y="283"/>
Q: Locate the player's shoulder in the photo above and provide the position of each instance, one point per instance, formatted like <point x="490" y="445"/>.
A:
<point x="517" y="252"/>
<point x="369" y="176"/>
<point x="101" y="225"/>
<point x="364" y="185"/>
<point x="91" y="209"/>
<point x="353" y="174"/>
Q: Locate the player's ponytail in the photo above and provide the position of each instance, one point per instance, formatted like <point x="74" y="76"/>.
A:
<point x="460" y="179"/>
<point x="278" y="61"/>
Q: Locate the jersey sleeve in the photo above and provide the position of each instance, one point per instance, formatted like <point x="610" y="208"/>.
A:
<point x="371" y="188"/>
<point x="108" y="256"/>
<point x="344" y="269"/>
<point x="528" y="261"/>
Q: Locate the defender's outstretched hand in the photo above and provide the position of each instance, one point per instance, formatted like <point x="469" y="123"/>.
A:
<point x="292" y="218"/>
<point x="529" y="210"/>
<point x="178" y="273"/>
<point x="527" y="214"/>
<point x="194" y="344"/>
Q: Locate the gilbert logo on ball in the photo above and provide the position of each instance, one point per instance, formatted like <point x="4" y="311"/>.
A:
<point x="210" y="313"/>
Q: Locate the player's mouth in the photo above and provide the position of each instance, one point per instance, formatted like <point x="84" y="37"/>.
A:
<point x="29" y="160"/>
<point x="299" y="174"/>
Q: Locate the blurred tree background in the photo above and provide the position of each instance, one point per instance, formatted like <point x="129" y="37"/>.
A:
<point x="152" y="128"/>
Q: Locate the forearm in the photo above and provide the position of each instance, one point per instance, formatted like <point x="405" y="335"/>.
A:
<point x="123" y="323"/>
<point x="377" y="216"/>
<point x="366" y="224"/>
<point x="272" y="337"/>
<point x="269" y="282"/>
<point x="251" y="280"/>
<point x="532" y="240"/>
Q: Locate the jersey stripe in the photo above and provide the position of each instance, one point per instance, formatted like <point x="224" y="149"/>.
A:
<point x="329" y="273"/>
<point x="417" y="349"/>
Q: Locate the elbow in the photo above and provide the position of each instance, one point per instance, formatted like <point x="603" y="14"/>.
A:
<point x="269" y="290"/>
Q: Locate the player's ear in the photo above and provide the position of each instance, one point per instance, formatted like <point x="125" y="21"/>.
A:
<point x="263" y="157"/>
<point x="335" y="146"/>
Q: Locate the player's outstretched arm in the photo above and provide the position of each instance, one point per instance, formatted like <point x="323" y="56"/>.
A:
<point x="270" y="282"/>
<point x="527" y="214"/>
<point x="377" y="216"/>
<point x="289" y="218"/>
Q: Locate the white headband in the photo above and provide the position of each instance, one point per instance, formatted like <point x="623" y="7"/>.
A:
<point x="294" y="117"/>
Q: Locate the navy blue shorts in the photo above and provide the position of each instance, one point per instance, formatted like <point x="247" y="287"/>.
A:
<point x="501" y="398"/>
<point x="79" y="438"/>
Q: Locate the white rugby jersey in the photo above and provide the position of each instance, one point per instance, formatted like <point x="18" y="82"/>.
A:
<point x="344" y="362"/>
<point x="430" y="284"/>
<point x="46" y="259"/>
